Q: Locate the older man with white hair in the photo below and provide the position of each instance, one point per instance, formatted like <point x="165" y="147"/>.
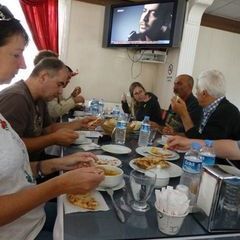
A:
<point x="220" y="118"/>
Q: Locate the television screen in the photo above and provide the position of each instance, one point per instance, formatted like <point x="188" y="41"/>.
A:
<point x="144" y="25"/>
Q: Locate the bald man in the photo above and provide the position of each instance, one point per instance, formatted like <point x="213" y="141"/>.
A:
<point x="183" y="86"/>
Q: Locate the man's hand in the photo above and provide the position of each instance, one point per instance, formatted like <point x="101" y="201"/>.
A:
<point x="179" y="106"/>
<point x="65" y="136"/>
<point x="76" y="91"/>
<point x="90" y="122"/>
<point x="179" y="142"/>
<point x="79" y="99"/>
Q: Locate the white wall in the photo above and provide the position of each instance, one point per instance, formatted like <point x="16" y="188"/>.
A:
<point x="163" y="87"/>
<point x="106" y="73"/>
<point x="103" y="72"/>
<point x="220" y="50"/>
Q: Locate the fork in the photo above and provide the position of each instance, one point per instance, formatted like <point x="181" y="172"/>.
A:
<point x="117" y="209"/>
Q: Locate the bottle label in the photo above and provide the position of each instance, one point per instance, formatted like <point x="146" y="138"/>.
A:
<point x="207" y="159"/>
<point x="121" y="124"/>
<point x="145" y="128"/>
<point x="192" y="165"/>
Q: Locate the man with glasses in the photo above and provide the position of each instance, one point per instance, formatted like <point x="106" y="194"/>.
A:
<point x="220" y="118"/>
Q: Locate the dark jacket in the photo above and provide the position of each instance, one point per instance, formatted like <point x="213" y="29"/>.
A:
<point x="224" y="123"/>
<point x="194" y="110"/>
<point x="150" y="108"/>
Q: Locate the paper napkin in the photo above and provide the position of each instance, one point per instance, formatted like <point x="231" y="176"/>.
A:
<point x="102" y="205"/>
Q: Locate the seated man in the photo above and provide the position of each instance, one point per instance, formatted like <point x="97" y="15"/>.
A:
<point x="183" y="86"/>
<point x="24" y="106"/>
<point x="60" y="106"/>
<point x="220" y="118"/>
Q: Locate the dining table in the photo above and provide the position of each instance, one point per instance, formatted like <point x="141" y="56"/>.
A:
<point x="105" y="225"/>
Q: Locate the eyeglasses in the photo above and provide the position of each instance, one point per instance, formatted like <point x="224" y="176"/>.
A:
<point x="3" y="17"/>
<point x="5" y="14"/>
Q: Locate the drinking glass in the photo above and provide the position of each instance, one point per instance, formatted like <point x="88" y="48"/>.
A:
<point x="142" y="185"/>
<point x="152" y="136"/>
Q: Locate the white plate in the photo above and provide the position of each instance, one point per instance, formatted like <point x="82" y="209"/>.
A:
<point x="81" y="114"/>
<point x="82" y="140"/>
<point x="161" y="151"/>
<point x="144" y="151"/>
<point x="109" y="160"/>
<point x="90" y="134"/>
<point x="116" y="149"/>
<point x="173" y="171"/>
<point x="230" y="169"/>
<point x="119" y="186"/>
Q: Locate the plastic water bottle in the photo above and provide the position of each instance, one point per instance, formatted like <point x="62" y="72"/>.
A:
<point x="207" y="154"/>
<point x="101" y="106"/>
<point x="120" y="131"/>
<point x="144" y="132"/>
<point x="94" y="106"/>
<point x="192" y="167"/>
<point x="116" y="111"/>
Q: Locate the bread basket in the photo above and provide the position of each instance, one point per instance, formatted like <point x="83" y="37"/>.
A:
<point x="109" y="125"/>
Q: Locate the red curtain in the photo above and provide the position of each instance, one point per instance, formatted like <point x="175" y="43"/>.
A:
<point x="42" y="19"/>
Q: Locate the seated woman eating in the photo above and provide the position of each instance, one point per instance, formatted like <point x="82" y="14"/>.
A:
<point x="143" y="104"/>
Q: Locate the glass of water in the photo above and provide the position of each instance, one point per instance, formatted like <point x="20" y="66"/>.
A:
<point x="152" y="136"/>
<point x="142" y="185"/>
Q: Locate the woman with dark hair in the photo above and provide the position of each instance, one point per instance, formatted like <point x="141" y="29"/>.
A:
<point x="22" y="214"/>
<point x="143" y="104"/>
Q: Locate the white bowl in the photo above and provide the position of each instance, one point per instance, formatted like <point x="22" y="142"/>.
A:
<point x="111" y="181"/>
<point x="162" y="179"/>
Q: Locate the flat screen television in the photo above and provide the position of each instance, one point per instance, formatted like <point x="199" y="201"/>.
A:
<point x="145" y="25"/>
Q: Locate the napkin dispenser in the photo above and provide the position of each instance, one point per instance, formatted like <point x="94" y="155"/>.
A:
<point x="219" y="199"/>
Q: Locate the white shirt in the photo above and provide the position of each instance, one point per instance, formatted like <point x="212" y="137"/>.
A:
<point x="16" y="174"/>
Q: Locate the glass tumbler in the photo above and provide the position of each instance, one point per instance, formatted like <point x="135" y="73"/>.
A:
<point x="142" y="185"/>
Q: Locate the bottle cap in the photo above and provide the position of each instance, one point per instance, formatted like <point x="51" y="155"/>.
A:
<point x="208" y="143"/>
<point x="196" y="146"/>
<point x="146" y="118"/>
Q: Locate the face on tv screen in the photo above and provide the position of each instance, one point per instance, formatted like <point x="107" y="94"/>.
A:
<point x="142" y="24"/>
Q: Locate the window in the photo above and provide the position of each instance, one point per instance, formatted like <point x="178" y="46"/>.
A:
<point x="31" y="50"/>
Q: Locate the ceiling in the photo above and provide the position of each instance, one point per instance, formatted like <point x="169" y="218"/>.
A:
<point x="229" y="9"/>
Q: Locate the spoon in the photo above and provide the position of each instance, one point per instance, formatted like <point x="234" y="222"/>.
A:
<point x="117" y="209"/>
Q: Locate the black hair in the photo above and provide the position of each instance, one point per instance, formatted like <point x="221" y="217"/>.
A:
<point x="44" y="54"/>
<point x="10" y="26"/>
<point x="50" y="64"/>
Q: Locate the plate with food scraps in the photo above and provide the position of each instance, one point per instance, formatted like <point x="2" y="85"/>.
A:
<point x="147" y="151"/>
<point x="116" y="149"/>
<point x="172" y="169"/>
<point x="108" y="160"/>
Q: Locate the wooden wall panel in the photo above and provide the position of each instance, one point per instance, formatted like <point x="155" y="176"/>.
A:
<point x="220" y="23"/>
